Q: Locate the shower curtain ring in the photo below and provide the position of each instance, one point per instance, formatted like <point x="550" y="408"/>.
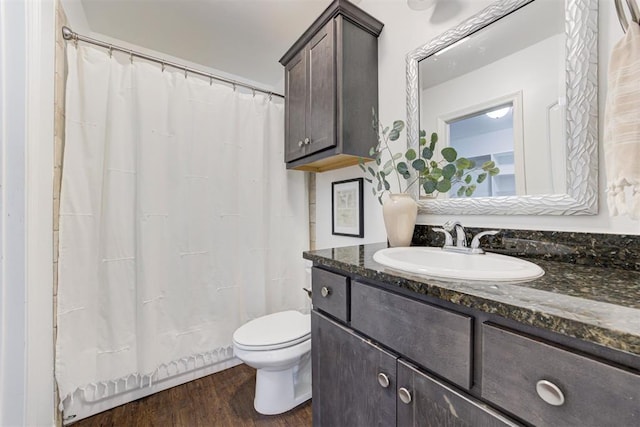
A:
<point x="254" y="92"/>
<point x="185" y="72"/>
<point x="210" y="81"/>
<point x="110" y="51"/>
<point x="234" y="86"/>
<point x="75" y="40"/>
<point x="163" y="66"/>
<point x="131" y="56"/>
<point x="270" y="95"/>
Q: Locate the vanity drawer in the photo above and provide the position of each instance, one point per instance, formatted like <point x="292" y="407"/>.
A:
<point x="435" y="338"/>
<point x="586" y="392"/>
<point x="330" y="293"/>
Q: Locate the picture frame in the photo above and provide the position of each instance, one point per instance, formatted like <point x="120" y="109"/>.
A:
<point x="347" y="212"/>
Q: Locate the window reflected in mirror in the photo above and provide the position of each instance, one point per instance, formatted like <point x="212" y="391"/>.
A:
<point x="486" y="136"/>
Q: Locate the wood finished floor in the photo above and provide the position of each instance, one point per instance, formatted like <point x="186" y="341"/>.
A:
<point x="222" y="399"/>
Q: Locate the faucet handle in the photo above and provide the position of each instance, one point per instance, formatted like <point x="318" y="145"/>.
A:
<point x="475" y="243"/>
<point x="448" y="239"/>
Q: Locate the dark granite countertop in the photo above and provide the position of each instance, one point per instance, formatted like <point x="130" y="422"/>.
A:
<point x="593" y="303"/>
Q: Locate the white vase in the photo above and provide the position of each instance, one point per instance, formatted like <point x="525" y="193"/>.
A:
<point x="399" y="212"/>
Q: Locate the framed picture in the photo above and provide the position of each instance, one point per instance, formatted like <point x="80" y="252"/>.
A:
<point x="347" y="214"/>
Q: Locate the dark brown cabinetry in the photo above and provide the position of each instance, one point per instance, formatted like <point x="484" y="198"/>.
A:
<point x="331" y="86"/>
<point x="384" y="358"/>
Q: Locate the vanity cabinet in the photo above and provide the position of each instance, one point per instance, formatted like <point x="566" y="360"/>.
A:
<point x="331" y="87"/>
<point x="547" y="385"/>
<point x="384" y="357"/>
<point x="358" y="383"/>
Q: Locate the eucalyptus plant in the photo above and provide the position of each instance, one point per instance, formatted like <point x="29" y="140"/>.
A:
<point x="420" y="167"/>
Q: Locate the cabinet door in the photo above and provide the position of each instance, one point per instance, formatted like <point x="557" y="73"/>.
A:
<point x="346" y="386"/>
<point x="321" y="102"/>
<point x="429" y="402"/>
<point x="295" y="107"/>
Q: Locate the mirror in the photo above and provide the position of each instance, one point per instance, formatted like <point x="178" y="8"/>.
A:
<point x="515" y="85"/>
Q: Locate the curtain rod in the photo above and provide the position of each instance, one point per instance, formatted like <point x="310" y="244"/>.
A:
<point x="68" y="34"/>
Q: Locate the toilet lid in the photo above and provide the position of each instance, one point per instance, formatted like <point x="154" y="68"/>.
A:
<point x="272" y="331"/>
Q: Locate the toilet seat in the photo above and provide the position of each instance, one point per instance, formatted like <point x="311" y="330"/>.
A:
<point x="273" y="331"/>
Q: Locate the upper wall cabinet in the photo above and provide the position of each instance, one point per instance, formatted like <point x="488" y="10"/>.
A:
<point x="331" y="86"/>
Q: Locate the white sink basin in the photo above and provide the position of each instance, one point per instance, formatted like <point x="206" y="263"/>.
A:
<point x="435" y="262"/>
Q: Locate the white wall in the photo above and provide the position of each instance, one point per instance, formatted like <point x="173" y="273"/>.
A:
<point x="404" y="30"/>
<point x="26" y="285"/>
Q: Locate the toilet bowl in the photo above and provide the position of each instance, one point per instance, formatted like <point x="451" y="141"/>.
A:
<point x="279" y="347"/>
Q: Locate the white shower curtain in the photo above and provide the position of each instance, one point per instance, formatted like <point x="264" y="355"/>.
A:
<point x="178" y="222"/>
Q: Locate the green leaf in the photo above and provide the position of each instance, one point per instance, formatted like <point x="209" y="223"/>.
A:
<point x="461" y="190"/>
<point x="379" y="185"/>
<point x="472" y="164"/>
<point x="459" y="174"/>
<point x="372" y="151"/>
<point x="488" y="165"/>
<point x="373" y="190"/>
<point x="382" y="174"/>
<point x="387" y="186"/>
<point x="369" y="180"/>
<point x="463" y="163"/>
<point x="443" y="186"/>
<point x="384" y="132"/>
<point x="468" y="179"/>
<point x="387" y="164"/>
<point x="371" y="171"/>
<point x="436" y="173"/>
<point x="396" y="156"/>
<point x="398" y="125"/>
<point x="394" y="135"/>
<point x="387" y="170"/>
<point x="429" y="187"/>
<point x="378" y="161"/>
<point x="481" y="178"/>
<point x="362" y="167"/>
<point x="449" y="154"/>
<point x="423" y="142"/>
<point x="448" y="171"/>
<point x="433" y="164"/>
<point x="469" y="191"/>
<point x="419" y="165"/>
<point x="427" y="153"/>
<point x="380" y="199"/>
<point x="434" y="140"/>
<point x="494" y="171"/>
<point x="423" y="134"/>
<point x="402" y="168"/>
<point x="411" y="154"/>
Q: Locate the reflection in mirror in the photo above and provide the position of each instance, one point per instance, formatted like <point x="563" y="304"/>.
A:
<point x="514" y="85"/>
<point x="486" y="137"/>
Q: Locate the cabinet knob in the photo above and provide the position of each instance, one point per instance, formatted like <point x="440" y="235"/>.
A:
<point x="383" y="380"/>
<point x="307" y="141"/>
<point x="550" y="393"/>
<point x="325" y="292"/>
<point x="404" y="395"/>
<point x="300" y="143"/>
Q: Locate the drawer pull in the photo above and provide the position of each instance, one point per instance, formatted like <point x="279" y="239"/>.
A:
<point x="325" y="291"/>
<point x="550" y="393"/>
<point x="383" y="380"/>
<point x="307" y="141"/>
<point x="300" y="143"/>
<point x="404" y="395"/>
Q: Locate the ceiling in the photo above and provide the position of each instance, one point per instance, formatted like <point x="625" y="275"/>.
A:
<point x="241" y="37"/>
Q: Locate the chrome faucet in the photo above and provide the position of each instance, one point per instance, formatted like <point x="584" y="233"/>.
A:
<point x="461" y="238"/>
<point x="461" y="234"/>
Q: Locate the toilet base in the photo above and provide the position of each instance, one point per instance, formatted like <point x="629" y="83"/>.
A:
<point x="278" y="391"/>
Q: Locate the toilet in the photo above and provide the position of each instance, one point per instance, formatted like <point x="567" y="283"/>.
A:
<point x="279" y="347"/>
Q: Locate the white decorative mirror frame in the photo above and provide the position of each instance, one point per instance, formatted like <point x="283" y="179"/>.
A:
<point x="581" y="197"/>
